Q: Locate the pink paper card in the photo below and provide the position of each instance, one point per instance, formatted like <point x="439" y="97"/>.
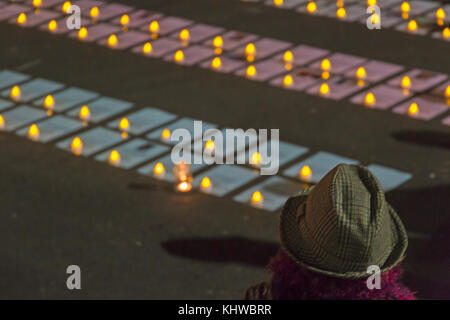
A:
<point x="139" y="18"/>
<point x="12" y="10"/>
<point x="376" y="70"/>
<point x="227" y="65"/>
<point x="421" y="80"/>
<point x="340" y="62"/>
<point x="385" y="97"/>
<point x="61" y="27"/>
<point x="416" y="7"/>
<point x="192" y="55"/>
<point x="36" y="18"/>
<point x="127" y="39"/>
<point x="352" y="13"/>
<point x="338" y="88"/>
<point x="198" y="32"/>
<point x="168" y="25"/>
<point x="232" y="40"/>
<point x="87" y="5"/>
<point x="264" y="48"/>
<point x="322" y="7"/>
<point x="428" y="107"/>
<point x="45" y="3"/>
<point x="97" y="31"/>
<point x="160" y="48"/>
<point x="264" y="70"/>
<point x="303" y="54"/>
<point x="442" y="90"/>
<point x="109" y="11"/>
<point x="302" y="78"/>
<point x="287" y="4"/>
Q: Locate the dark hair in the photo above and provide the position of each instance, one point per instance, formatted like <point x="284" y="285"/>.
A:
<point x="290" y="281"/>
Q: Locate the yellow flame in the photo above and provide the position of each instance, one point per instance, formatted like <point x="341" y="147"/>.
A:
<point x="82" y="33"/>
<point x="206" y="183"/>
<point x="305" y="172"/>
<point x="2" y="122"/>
<point x="216" y="63"/>
<point x="33" y="132"/>
<point x="218" y="42"/>
<point x="15" y="92"/>
<point x="325" y="64"/>
<point x="209" y="145"/>
<point x="147" y="48"/>
<point x="154" y="26"/>
<point x="341" y="13"/>
<point x="413" y="109"/>
<point x="184" y="186"/>
<point x="22" y="18"/>
<point x="311" y="7"/>
<point x="165" y="134"/>
<point x="324" y="88"/>
<point x="159" y="168"/>
<point x="447" y="91"/>
<point x="178" y="56"/>
<point x="278" y="2"/>
<point x="66" y="6"/>
<point x="446" y="33"/>
<point x="95" y="11"/>
<point x="405" y="7"/>
<point x="257" y="197"/>
<point x="85" y="113"/>
<point x="49" y="102"/>
<point x="406" y="82"/>
<point x="412" y="25"/>
<point x="37" y="3"/>
<point x="251" y="71"/>
<point x="440" y="13"/>
<point x="114" y="157"/>
<point x="288" y="56"/>
<point x="124" y="124"/>
<point x="361" y="73"/>
<point x="371" y="2"/>
<point x="52" y="25"/>
<point x="125" y="19"/>
<point x="288" y="80"/>
<point x="250" y="49"/>
<point x="256" y="158"/>
<point x="184" y="35"/>
<point x="112" y="40"/>
<point x="76" y="146"/>
<point x="370" y="99"/>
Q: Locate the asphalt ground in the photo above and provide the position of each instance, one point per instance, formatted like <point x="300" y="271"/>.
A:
<point x="134" y="237"/>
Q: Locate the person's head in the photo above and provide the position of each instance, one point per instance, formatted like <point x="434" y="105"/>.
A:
<point x="342" y="226"/>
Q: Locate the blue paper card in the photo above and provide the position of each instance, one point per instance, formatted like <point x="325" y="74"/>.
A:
<point x="9" y="78"/>
<point x="54" y="128"/>
<point x="134" y="153"/>
<point x="34" y="89"/>
<point x="320" y="164"/>
<point x="21" y="116"/>
<point x="68" y="98"/>
<point x="93" y="140"/>
<point x="102" y="108"/>
<point x="144" y="120"/>
<point x="224" y="179"/>
<point x="389" y="178"/>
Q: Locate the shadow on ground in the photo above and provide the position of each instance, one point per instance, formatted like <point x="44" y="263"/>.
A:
<point x="426" y="138"/>
<point x="233" y="249"/>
